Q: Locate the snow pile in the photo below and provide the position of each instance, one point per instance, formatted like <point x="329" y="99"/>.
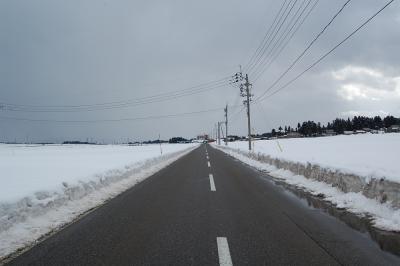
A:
<point x="384" y="216"/>
<point x="45" y="187"/>
<point x="367" y="155"/>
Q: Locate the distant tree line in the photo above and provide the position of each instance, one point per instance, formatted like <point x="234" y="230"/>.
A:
<point x="77" y="142"/>
<point x="156" y="141"/>
<point x="178" y="140"/>
<point x="339" y="125"/>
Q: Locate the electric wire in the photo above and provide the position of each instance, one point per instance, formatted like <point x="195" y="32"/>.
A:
<point x="328" y="53"/>
<point x="267" y="45"/>
<point x="285" y="41"/>
<point x="117" y="104"/>
<point x="257" y="51"/>
<point x="305" y="50"/>
<point x="278" y="40"/>
<point x="283" y="35"/>
<point x="152" y="117"/>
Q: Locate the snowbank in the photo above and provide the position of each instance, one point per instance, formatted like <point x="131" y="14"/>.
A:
<point x="45" y="187"/>
<point x="339" y="180"/>
<point x="368" y="155"/>
<point x="383" y="215"/>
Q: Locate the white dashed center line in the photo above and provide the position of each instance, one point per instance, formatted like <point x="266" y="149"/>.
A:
<point x="223" y="252"/>
<point x="212" y="184"/>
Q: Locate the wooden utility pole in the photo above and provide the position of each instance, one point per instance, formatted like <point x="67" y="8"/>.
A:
<point x="226" y="125"/>
<point x="159" y="141"/>
<point x="216" y="132"/>
<point x="244" y="92"/>
<point x="247" y="102"/>
<point x="219" y="133"/>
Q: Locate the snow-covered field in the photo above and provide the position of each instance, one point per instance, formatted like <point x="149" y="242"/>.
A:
<point x="45" y="186"/>
<point x="369" y="156"/>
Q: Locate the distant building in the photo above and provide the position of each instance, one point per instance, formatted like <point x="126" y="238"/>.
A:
<point x="393" y="128"/>
<point x="329" y="132"/>
<point x="202" y="137"/>
<point x="136" y="143"/>
<point x="360" y="132"/>
<point x="347" y="132"/>
<point x="197" y="140"/>
<point x="233" y="138"/>
<point x="294" y="134"/>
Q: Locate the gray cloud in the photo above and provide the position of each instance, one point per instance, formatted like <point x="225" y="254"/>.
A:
<point x="84" y="52"/>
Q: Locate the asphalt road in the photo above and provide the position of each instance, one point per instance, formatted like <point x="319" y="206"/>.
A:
<point x="176" y="218"/>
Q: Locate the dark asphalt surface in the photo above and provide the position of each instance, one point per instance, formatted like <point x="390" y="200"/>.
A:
<point x="172" y="218"/>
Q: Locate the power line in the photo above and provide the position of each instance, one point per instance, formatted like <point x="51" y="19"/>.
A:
<point x="270" y="32"/>
<point x="329" y="52"/>
<point x="117" y="104"/>
<point x="272" y="36"/>
<point x="266" y="47"/>
<point x="262" y="60"/>
<point x="132" y="104"/>
<point x="115" y="120"/>
<point x="282" y="36"/>
<point x="296" y="26"/>
<point x="304" y="51"/>
<point x="257" y="51"/>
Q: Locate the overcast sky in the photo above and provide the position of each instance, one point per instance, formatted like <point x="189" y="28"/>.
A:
<point x="57" y="52"/>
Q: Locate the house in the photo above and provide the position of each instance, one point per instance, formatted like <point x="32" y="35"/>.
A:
<point x="294" y="134"/>
<point x="329" y="132"/>
<point x="360" y="132"/>
<point x="393" y="128"/>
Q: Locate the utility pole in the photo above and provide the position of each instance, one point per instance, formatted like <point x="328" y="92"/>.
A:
<point x="245" y="92"/>
<point x="219" y="133"/>
<point x="247" y="102"/>
<point x="159" y="141"/>
<point x="216" y="132"/>
<point x="226" y="125"/>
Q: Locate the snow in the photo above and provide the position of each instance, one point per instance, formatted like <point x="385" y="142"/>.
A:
<point x="383" y="216"/>
<point x="28" y="169"/>
<point x="365" y="155"/>
<point x="44" y="187"/>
